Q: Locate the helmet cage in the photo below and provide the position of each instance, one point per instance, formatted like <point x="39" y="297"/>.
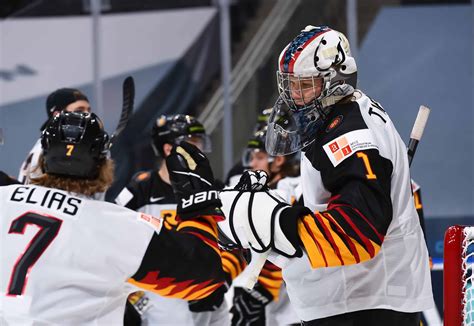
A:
<point x="290" y="84"/>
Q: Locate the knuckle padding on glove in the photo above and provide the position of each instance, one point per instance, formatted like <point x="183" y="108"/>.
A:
<point x="254" y="221"/>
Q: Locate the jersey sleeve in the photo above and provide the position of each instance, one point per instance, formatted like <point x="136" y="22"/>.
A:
<point x="183" y="263"/>
<point x="233" y="263"/>
<point x="134" y="194"/>
<point x="271" y="278"/>
<point x="352" y="228"/>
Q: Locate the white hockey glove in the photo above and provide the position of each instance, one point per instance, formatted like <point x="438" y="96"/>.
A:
<point x="260" y="220"/>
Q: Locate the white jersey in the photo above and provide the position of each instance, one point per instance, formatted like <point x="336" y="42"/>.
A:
<point x="30" y="167"/>
<point x="290" y="188"/>
<point x="398" y="277"/>
<point x="65" y="259"/>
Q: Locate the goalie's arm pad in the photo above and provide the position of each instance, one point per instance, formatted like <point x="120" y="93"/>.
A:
<point x="352" y="228"/>
<point x="184" y="263"/>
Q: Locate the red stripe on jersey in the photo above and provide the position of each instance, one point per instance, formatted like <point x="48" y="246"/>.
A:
<point x="381" y="237"/>
<point x="310" y="232"/>
<point x="331" y="204"/>
<point x="367" y="245"/>
<point x="349" y="242"/>
<point x="329" y="237"/>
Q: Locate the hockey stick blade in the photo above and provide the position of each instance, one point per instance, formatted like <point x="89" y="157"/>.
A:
<point x="128" y="91"/>
<point x="417" y="131"/>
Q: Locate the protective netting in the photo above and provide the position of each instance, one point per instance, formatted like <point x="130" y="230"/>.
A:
<point x="467" y="276"/>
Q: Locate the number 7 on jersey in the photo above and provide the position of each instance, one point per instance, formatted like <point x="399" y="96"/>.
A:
<point x="48" y="230"/>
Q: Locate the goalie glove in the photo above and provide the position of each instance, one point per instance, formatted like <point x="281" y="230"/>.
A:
<point x="261" y="220"/>
<point x="253" y="181"/>
<point x="193" y="182"/>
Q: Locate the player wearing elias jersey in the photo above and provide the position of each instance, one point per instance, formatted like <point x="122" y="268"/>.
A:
<point x="67" y="259"/>
<point x="151" y="192"/>
<point x="360" y="251"/>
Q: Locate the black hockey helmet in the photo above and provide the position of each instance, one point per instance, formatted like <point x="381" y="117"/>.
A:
<point x="173" y="129"/>
<point x="74" y="145"/>
<point x="262" y="120"/>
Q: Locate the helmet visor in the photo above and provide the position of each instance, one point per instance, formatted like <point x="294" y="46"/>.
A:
<point x="201" y="141"/>
<point x="289" y="131"/>
<point x="256" y="159"/>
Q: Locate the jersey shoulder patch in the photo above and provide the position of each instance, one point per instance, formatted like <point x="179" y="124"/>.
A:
<point x="155" y="223"/>
<point x="141" y="176"/>
<point x="347" y="144"/>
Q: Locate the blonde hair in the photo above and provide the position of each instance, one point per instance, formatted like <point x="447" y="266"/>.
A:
<point x="86" y="187"/>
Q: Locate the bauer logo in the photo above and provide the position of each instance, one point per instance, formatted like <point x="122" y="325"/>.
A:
<point x="344" y="146"/>
<point x="200" y="197"/>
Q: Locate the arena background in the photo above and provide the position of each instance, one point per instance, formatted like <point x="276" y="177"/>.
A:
<point x="408" y="53"/>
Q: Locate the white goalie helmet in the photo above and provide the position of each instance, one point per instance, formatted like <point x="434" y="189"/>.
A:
<point x="315" y="71"/>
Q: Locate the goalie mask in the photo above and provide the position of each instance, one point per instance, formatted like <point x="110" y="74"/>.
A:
<point x="316" y="70"/>
<point x="177" y="128"/>
<point x="75" y="144"/>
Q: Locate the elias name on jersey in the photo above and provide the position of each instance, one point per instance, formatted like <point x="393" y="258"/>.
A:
<point x="50" y="199"/>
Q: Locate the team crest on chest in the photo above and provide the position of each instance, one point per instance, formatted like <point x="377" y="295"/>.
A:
<point x="334" y="123"/>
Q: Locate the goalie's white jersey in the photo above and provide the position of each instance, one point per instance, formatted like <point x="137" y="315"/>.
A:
<point x="65" y="259"/>
<point x="356" y="179"/>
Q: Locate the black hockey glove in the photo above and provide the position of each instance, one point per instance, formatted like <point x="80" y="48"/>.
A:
<point x="193" y="182"/>
<point x="248" y="307"/>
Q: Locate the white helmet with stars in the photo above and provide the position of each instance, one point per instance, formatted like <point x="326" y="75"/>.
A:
<point x="315" y="71"/>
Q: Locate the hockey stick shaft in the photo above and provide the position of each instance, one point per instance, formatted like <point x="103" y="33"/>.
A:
<point x="417" y="131"/>
<point x="415" y="137"/>
<point x="128" y="93"/>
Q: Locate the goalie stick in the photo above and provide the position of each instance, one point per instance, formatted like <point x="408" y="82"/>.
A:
<point x="128" y="91"/>
<point x="415" y="137"/>
<point x="417" y="131"/>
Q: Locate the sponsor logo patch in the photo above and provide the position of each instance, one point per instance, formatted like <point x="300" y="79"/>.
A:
<point x="152" y="221"/>
<point x="334" y="123"/>
<point x="344" y="146"/>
